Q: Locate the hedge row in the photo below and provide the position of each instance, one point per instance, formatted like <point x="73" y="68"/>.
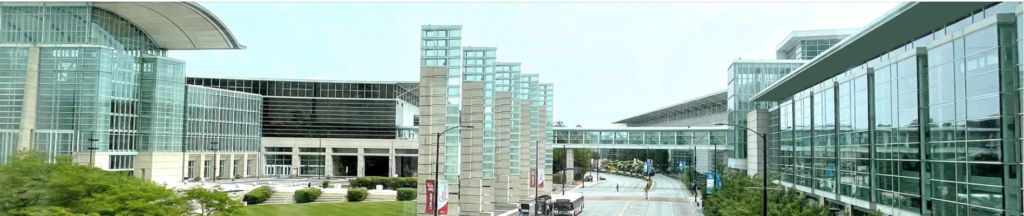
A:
<point x="356" y="195"/>
<point x="392" y="183"/>
<point x="307" y="195"/>
<point x="258" y="195"/>
<point x="406" y="194"/>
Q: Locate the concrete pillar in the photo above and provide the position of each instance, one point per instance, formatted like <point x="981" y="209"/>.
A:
<point x="230" y="166"/>
<point x="525" y="191"/>
<point x="328" y="162"/>
<point x="433" y="90"/>
<point x="200" y="168"/>
<point x="569" y="173"/>
<point x="471" y="180"/>
<point x="296" y="162"/>
<point x="758" y="121"/>
<point x="245" y="165"/>
<point x="391" y="160"/>
<point x="502" y="148"/>
<point x="542" y="150"/>
<point x="217" y="170"/>
<point x="361" y="164"/>
<point x="31" y="99"/>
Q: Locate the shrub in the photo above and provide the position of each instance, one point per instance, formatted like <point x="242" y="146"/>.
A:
<point x="307" y="195"/>
<point x="405" y="194"/>
<point x="258" y="195"/>
<point x="392" y="183"/>
<point x="356" y="195"/>
<point x="326" y="183"/>
<point x="558" y="177"/>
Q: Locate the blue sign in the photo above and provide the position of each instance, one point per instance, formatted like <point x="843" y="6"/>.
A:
<point x="712" y="182"/>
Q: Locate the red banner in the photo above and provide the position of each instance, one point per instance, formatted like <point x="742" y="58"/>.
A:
<point x="430" y="197"/>
<point x="533" y="178"/>
<point x="442" y="199"/>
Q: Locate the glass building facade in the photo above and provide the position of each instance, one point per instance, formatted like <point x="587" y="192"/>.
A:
<point x="808" y="49"/>
<point x="229" y="118"/>
<point x="747" y="78"/>
<point x="930" y="127"/>
<point x="531" y="91"/>
<point x="100" y="77"/>
<point x="548" y="96"/>
<point x="441" y="46"/>
<point x="324" y="109"/>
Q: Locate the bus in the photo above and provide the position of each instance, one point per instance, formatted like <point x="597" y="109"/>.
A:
<point x="570" y="204"/>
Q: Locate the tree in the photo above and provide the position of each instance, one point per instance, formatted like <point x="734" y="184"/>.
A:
<point x="736" y="197"/>
<point x="578" y="125"/>
<point x="581" y="161"/>
<point x="24" y="180"/>
<point x="211" y="202"/>
<point x="559" y="124"/>
<point x="32" y="185"/>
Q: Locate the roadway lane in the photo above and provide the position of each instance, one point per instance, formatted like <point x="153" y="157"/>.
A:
<point x="667" y="198"/>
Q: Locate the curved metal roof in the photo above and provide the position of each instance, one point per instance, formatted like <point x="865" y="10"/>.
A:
<point x="698" y="102"/>
<point x="176" y="25"/>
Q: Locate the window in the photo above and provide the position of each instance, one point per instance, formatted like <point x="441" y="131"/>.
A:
<point x="311" y="149"/>
<point x="345" y="150"/>
<point x="279" y="149"/>
<point x="376" y="151"/>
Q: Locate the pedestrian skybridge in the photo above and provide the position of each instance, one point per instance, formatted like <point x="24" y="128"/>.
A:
<point x="642" y="138"/>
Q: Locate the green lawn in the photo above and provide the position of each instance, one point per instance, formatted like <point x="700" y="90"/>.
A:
<point x="388" y="208"/>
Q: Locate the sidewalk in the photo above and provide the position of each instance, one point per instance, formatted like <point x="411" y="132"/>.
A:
<point x="698" y="210"/>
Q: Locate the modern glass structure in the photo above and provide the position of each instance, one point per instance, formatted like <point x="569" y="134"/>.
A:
<point x="227" y="121"/>
<point x="928" y="128"/>
<point x="531" y="90"/>
<point x="441" y="45"/>
<point x="479" y="67"/>
<point x="746" y="78"/>
<point x="80" y="75"/>
<point x="325" y="108"/>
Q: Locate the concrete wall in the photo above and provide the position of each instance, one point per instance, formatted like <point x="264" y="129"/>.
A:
<point x="758" y="121"/>
<point x="159" y="167"/>
<point x="542" y="150"/>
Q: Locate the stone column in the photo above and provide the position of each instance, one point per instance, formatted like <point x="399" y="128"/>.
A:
<point x="391" y="160"/>
<point x="569" y="157"/>
<point x="328" y="161"/>
<point x="524" y="188"/>
<point x="542" y="149"/>
<point x="502" y="151"/>
<point x="200" y="168"/>
<point x="361" y="163"/>
<point x="230" y="166"/>
<point x="216" y="165"/>
<point x="471" y="178"/>
<point x="30" y="101"/>
<point x="432" y="119"/>
<point x="245" y="165"/>
<point x="296" y="162"/>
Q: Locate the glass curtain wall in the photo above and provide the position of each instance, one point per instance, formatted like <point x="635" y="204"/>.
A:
<point x="548" y="91"/>
<point x="85" y="91"/>
<point x="926" y="128"/>
<point x="746" y="80"/>
<point x="232" y="119"/>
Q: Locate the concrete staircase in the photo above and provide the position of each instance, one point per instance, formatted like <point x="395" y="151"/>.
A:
<point x="381" y="197"/>
<point x="330" y="198"/>
<point x="281" y="198"/>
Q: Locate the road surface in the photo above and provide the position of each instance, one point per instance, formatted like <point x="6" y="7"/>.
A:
<point x="667" y="198"/>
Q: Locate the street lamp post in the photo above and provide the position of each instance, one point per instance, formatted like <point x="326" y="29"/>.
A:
<point x="216" y="162"/>
<point x="437" y="163"/>
<point x="92" y="148"/>
<point x="764" y="165"/>
<point x="536" y="171"/>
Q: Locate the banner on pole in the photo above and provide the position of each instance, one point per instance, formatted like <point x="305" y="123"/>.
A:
<point x="442" y="197"/>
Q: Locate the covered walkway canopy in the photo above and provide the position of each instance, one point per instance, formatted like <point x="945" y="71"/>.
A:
<point x="642" y="137"/>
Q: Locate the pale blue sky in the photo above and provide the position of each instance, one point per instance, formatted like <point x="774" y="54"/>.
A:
<point x="608" y="61"/>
